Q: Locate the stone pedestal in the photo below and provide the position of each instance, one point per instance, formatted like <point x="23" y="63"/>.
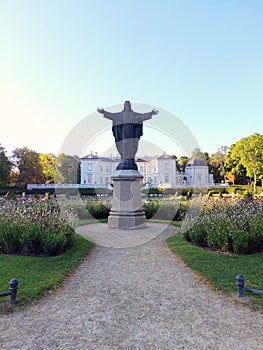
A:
<point x="126" y="211"/>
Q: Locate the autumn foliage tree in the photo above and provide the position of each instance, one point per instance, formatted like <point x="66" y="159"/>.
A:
<point x="230" y="177"/>
<point x="47" y="162"/>
<point x="27" y="166"/>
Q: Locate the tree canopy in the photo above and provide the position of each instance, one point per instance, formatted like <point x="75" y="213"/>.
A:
<point x="217" y="163"/>
<point x="5" y="167"/>
<point x="248" y="153"/>
<point x="28" y="167"/>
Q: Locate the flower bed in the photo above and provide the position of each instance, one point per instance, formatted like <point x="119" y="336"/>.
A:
<point x="230" y="227"/>
<point x="35" y="228"/>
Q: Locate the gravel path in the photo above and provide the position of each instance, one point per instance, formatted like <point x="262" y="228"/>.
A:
<point x="142" y="297"/>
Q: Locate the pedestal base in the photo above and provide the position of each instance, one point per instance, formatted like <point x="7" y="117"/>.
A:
<point x="126" y="211"/>
<point x="129" y="221"/>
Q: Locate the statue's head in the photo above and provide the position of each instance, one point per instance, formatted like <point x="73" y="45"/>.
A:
<point x="127" y="106"/>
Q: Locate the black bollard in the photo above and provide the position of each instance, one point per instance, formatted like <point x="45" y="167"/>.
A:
<point x="13" y="286"/>
<point x="240" y="281"/>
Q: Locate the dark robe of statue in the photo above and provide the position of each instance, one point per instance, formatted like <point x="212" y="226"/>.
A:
<point x="127" y="128"/>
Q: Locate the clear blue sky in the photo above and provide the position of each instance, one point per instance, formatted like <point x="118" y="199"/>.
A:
<point x="61" y="60"/>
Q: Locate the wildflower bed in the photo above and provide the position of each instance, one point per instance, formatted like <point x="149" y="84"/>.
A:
<point x="33" y="227"/>
<point x="235" y="227"/>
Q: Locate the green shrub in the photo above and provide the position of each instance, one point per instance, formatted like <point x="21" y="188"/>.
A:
<point x="35" y="228"/>
<point x="218" y="236"/>
<point x="78" y="208"/>
<point x="247" y="194"/>
<point x="10" y="232"/>
<point x="165" y="209"/>
<point x="31" y="240"/>
<point x="189" y="194"/>
<point x="151" y="208"/>
<point x="230" y="227"/>
<point x="53" y="243"/>
<point x="97" y="209"/>
<point x="198" y="235"/>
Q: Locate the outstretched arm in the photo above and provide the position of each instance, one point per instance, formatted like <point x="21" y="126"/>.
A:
<point x="145" y="116"/>
<point x="108" y="115"/>
<point x="100" y="110"/>
<point x="154" y="111"/>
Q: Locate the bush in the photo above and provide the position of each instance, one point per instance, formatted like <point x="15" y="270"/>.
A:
<point x="97" y="209"/>
<point x="218" y="235"/>
<point x="197" y="236"/>
<point x="165" y="209"/>
<point x="189" y="194"/>
<point x="31" y="239"/>
<point x="247" y="194"/>
<point x="151" y="208"/>
<point x="35" y="228"/>
<point x="77" y="207"/>
<point x="229" y="227"/>
<point x="10" y="232"/>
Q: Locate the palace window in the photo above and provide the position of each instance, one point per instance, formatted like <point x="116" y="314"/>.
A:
<point x="90" y="179"/>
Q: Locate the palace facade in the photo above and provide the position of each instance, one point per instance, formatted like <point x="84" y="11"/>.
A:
<point x="157" y="171"/>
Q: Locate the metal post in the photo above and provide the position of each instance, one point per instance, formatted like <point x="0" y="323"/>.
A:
<point x="240" y="281"/>
<point x="13" y="289"/>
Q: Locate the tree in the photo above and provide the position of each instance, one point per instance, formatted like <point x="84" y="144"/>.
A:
<point x="67" y="169"/>
<point x="248" y="152"/>
<point x="27" y="165"/>
<point x="47" y="162"/>
<point x="198" y="154"/>
<point x="234" y="166"/>
<point x="230" y="177"/>
<point x="5" y="167"/>
<point x="181" y="163"/>
<point x="217" y="163"/>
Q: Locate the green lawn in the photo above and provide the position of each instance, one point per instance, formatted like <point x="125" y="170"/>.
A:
<point x="220" y="270"/>
<point x="37" y="275"/>
<point x="174" y="223"/>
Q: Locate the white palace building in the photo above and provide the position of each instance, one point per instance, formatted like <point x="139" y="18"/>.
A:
<point x="157" y="171"/>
